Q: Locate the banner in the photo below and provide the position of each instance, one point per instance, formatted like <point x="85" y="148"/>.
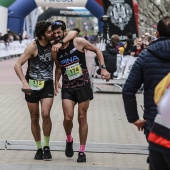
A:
<point x="61" y="3"/>
<point x="122" y="18"/>
<point x="30" y="22"/>
<point x="128" y="65"/>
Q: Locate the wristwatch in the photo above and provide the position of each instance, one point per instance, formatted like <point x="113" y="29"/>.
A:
<point x="61" y="41"/>
<point x="103" y="66"/>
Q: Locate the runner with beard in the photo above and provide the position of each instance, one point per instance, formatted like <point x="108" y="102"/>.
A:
<point x="76" y="86"/>
<point x="38" y="84"/>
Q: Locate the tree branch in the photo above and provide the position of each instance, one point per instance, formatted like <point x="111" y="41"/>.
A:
<point x="157" y="7"/>
<point x="163" y="8"/>
<point x="149" y="13"/>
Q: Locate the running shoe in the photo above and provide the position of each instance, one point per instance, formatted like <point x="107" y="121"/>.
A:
<point x="81" y="157"/>
<point x="39" y="154"/>
<point x="69" y="149"/>
<point x="47" y="153"/>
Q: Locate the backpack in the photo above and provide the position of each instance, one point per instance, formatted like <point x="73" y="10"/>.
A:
<point x="160" y="131"/>
<point x="161" y="88"/>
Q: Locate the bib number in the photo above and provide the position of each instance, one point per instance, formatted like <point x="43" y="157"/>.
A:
<point x="73" y="71"/>
<point x="36" y="84"/>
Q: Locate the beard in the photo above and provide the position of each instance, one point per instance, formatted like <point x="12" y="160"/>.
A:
<point x="48" y="38"/>
<point x="57" y="39"/>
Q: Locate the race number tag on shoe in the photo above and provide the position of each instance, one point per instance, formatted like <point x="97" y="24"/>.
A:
<point x="36" y="84"/>
<point x="73" y="71"/>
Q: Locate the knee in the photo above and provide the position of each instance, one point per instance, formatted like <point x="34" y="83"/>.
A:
<point x="82" y="118"/>
<point x="45" y="115"/>
<point x="68" y="117"/>
<point x="35" y="119"/>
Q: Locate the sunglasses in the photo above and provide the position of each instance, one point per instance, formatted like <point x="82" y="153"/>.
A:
<point x="57" y="23"/>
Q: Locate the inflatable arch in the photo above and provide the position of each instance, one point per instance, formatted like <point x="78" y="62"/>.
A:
<point x="21" y="8"/>
<point x="4" y="4"/>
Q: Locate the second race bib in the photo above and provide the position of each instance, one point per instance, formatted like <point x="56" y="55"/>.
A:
<point x="73" y="71"/>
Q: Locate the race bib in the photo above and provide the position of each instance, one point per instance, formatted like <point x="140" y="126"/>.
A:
<point x="73" y="71"/>
<point x="36" y="84"/>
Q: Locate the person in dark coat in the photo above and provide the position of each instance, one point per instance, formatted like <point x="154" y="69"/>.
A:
<point x="150" y="67"/>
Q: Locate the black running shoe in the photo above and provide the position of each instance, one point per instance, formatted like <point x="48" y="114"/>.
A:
<point x="39" y="154"/>
<point x="81" y="157"/>
<point x="47" y="153"/>
<point x="69" y="149"/>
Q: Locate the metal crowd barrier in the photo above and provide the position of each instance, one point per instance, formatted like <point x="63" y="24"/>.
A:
<point x="124" y="65"/>
<point x="12" y="49"/>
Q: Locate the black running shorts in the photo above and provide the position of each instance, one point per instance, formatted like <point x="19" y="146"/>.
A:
<point x="78" y="94"/>
<point x="37" y="95"/>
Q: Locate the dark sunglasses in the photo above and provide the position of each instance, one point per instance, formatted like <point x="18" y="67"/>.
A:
<point x="57" y="23"/>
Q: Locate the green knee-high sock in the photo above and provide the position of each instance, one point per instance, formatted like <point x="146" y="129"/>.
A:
<point x="38" y="144"/>
<point x="46" y="140"/>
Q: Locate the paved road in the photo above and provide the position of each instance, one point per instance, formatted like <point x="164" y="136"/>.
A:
<point x="113" y="143"/>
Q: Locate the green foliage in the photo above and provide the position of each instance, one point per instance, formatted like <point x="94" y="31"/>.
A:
<point x="6" y="3"/>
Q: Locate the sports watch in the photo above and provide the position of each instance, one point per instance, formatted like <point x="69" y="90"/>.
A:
<point x="103" y="66"/>
<point x="61" y="41"/>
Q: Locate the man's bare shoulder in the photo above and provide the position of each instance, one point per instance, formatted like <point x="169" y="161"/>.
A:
<point x="32" y="46"/>
<point x="79" y="40"/>
<point x="31" y="49"/>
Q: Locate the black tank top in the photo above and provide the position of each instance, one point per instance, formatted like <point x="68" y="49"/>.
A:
<point x="41" y="66"/>
<point x="73" y="67"/>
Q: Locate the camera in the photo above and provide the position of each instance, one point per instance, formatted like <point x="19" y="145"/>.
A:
<point x="105" y="18"/>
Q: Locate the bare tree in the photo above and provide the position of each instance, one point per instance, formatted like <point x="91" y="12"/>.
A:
<point x="150" y="11"/>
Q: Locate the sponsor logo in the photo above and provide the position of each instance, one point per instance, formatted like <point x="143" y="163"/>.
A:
<point x="69" y="60"/>
<point x="58" y="0"/>
<point x="50" y="95"/>
<point x="61" y="56"/>
<point x="72" y="51"/>
<point x="120" y="13"/>
<point x="46" y="57"/>
<point x="64" y="12"/>
<point x="65" y="54"/>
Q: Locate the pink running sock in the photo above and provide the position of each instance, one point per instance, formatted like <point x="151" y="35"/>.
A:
<point x="82" y="148"/>
<point x="69" y="138"/>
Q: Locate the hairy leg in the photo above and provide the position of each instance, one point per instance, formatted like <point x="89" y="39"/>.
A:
<point x="46" y="105"/>
<point x="34" y="115"/>
<point x="82" y="119"/>
<point x="68" y="109"/>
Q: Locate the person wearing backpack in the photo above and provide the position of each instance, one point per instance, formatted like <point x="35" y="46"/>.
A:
<point x="159" y="136"/>
<point x="152" y="65"/>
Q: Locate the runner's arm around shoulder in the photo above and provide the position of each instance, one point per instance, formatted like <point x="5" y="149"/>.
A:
<point x="81" y="44"/>
<point x="28" y="53"/>
<point x="69" y="36"/>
